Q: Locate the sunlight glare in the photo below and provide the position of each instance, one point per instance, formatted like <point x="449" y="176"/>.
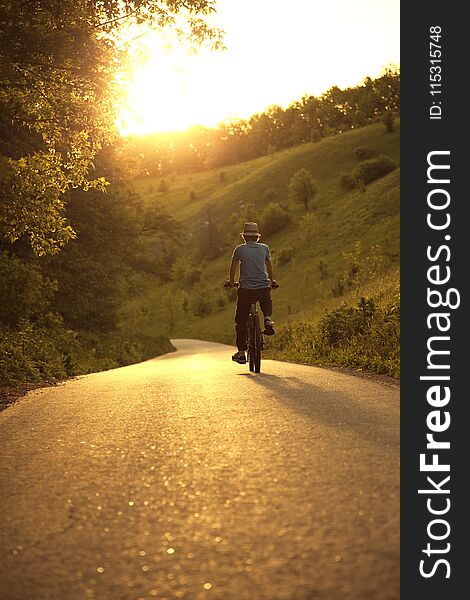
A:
<point x="273" y="57"/>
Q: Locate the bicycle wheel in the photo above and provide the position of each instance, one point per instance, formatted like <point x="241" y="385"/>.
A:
<point x="257" y="344"/>
<point x="250" y="343"/>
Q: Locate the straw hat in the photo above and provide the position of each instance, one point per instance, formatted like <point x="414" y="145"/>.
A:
<point x="250" y="229"/>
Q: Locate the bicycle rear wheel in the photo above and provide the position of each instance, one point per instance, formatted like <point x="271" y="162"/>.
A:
<point x="250" y="343"/>
<point x="257" y="344"/>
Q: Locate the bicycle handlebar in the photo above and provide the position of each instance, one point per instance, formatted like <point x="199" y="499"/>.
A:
<point x="236" y="284"/>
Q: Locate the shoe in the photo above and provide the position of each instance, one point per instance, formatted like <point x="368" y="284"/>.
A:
<point x="239" y="357"/>
<point x="268" y="327"/>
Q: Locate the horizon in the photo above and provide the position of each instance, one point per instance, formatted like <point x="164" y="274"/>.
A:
<point x="230" y="119"/>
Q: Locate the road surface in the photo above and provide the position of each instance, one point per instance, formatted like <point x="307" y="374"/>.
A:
<point x="188" y="477"/>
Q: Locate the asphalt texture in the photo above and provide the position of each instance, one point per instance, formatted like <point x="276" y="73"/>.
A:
<point x="188" y="477"/>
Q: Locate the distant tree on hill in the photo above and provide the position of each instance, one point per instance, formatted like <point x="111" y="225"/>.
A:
<point x="302" y="187"/>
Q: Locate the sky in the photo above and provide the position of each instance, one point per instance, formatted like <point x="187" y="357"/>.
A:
<point x="277" y="51"/>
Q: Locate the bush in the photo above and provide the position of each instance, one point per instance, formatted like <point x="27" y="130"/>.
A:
<point x="32" y="353"/>
<point x="363" y="153"/>
<point x="370" y="170"/>
<point x="315" y="136"/>
<point x="339" y="326"/>
<point x="25" y="292"/>
<point x="274" y="218"/>
<point x="201" y="303"/>
<point x="347" y="181"/>
<point x="364" y="336"/>
<point x="186" y="272"/>
<point x="285" y="256"/>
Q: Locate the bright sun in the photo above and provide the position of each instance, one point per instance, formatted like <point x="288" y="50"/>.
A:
<point x="171" y="90"/>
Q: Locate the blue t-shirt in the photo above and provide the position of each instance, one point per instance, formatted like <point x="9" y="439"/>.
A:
<point x="252" y="257"/>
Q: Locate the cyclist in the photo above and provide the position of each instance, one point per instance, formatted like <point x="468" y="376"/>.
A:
<point x="256" y="280"/>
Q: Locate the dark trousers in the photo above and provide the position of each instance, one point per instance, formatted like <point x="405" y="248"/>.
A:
<point x="244" y="301"/>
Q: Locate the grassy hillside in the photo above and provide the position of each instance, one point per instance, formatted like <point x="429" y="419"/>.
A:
<point x="340" y="218"/>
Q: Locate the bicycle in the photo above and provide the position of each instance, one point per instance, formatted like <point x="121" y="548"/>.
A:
<point x="254" y="335"/>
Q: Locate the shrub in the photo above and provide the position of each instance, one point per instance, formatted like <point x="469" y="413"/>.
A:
<point x="315" y="135"/>
<point x="274" y="218"/>
<point x="363" y="153"/>
<point x="347" y="181"/>
<point x="201" y="303"/>
<point x="185" y="271"/>
<point x="374" y="168"/>
<point x="366" y="335"/>
<point x="285" y="256"/>
<point x="25" y="292"/>
<point x="342" y="324"/>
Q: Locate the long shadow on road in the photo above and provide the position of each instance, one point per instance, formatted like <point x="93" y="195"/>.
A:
<point x="366" y="417"/>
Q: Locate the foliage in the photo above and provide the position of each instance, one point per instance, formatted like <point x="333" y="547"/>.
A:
<point x="58" y="67"/>
<point x="374" y="168"/>
<point x="34" y="352"/>
<point x="201" y="303"/>
<point x="173" y="309"/>
<point x="348" y="181"/>
<point x="363" y="336"/>
<point x="47" y="351"/>
<point x="274" y="218"/>
<point x="26" y="292"/>
<point x="364" y="153"/>
<point x="302" y="187"/>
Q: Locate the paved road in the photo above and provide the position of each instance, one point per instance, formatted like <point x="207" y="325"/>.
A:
<point x="188" y="477"/>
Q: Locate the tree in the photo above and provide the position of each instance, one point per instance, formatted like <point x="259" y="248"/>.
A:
<point x="302" y="187"/>
<point x="58" y="65"/>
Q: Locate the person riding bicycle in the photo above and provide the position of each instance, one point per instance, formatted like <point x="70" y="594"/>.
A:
<point x="255" y="283"/>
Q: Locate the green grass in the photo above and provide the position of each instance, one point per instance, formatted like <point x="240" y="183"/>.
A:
<point x="367" y="214"/>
